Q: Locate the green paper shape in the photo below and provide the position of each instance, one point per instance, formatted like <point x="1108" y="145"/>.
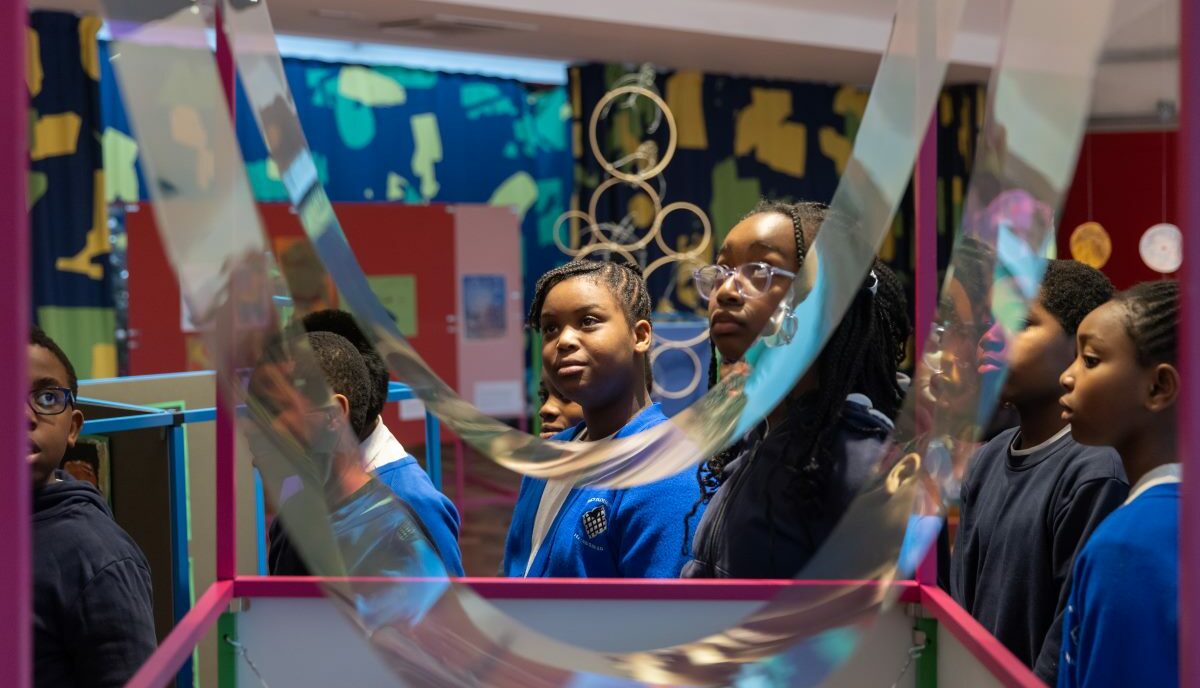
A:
<point x="398" y="294"/>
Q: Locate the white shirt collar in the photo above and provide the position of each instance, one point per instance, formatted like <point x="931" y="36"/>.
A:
<point x="1160" y="475"/>
<point x="381" y="448"/>
<point x="1012" y="448"/>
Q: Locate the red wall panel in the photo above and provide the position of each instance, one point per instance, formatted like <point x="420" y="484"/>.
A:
<point x="1126" y="171"/>
<point x="388" y="239"/>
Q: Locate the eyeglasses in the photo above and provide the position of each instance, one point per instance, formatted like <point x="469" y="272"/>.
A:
<point x="753" y="279"/>
<point x="50" y="401"/>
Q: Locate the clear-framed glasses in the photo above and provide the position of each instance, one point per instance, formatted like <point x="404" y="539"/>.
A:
<point x="753" y="279"/>
<point x="50" y="401"/>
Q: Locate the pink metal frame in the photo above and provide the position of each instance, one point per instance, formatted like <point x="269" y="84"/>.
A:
<point x="1189" y="412"/>
<point x="225" y="431"/>
<point x="15" y="574"/>
<point x="925" y="239"/>
<point x="16" y="577"/>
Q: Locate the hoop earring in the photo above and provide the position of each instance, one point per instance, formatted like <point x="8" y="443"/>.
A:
<point x="782" y="327"/>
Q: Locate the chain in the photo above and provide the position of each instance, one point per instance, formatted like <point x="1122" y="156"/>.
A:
<point x="914" y="653"/>
<point x="241" y="651"/>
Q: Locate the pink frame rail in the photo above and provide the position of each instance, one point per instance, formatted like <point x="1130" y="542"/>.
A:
<point x="163" y="666"/>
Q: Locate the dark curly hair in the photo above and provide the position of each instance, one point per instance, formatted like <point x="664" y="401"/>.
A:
<point x="1071" y="290"/>
<point x="341" y="323"/>
<point x="38" y="337"/>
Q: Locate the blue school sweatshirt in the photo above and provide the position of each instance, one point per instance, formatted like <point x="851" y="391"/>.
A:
<point x="398" y="470"/>
<point x="1121" y="627"/>
<point x="635" y="532"/>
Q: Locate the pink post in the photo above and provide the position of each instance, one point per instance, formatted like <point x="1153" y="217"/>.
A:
<point x="1189" y="411"/>
<point x="226" y="438"/>
<point x="16" y="578"/>
<point x="925" y="265"/>
<point x="925" y="277"/>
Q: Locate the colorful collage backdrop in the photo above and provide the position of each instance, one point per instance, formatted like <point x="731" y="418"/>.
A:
<point x="394" y="134"/>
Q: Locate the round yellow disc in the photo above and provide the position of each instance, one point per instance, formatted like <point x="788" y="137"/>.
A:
<point x="1091" y="245"/>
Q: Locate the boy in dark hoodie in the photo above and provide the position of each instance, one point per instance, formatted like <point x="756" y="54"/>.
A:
<point x="1032" y="495"/>
<point x="93" y="619"/>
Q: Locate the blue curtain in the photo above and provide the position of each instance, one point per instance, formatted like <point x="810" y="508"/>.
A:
<point x="71" y="290"/>
<point x="392" y="134"/>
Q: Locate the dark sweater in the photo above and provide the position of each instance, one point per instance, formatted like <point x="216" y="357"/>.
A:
<point x="93" y="618"/>
<point x="755" y="527"/>
<point x="1023" y="519"/>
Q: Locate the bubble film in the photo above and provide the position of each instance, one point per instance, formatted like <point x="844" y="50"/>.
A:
<point x="436" y="632"/>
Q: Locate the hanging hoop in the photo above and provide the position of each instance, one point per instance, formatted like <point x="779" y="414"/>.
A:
<point x="696" y="376"/>
<point x="649" y="191"/>
<point x="672" y="134"/>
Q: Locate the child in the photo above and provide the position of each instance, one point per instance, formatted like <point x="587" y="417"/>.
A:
<point x="375" y="533"/>
<point x="596" y="336"/>
<point x="1032" y="495"/>
<point x="557" y="412"/>
<point x="778" y="494"/>
<point x="1121" y="626"/>
<point x="93" y="615"/>
<point x="382" y="453"/>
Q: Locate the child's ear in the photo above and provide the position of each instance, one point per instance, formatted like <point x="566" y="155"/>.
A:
<point x="1164" y="388"/>
<point x="343" y="405"/>
<point x="76" y="426"/>
<point x="643" y="336"/>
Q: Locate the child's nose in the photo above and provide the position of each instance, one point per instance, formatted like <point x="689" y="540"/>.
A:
<point x="1067" y="379"/>
<point x="993" y="338"/>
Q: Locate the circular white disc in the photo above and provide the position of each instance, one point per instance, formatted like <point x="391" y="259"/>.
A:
<point x="1161" y="248"/>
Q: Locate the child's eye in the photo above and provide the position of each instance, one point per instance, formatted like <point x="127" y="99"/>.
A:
<point x="590" y="320"/>
<point x="1090" y="361"/>
<point x="549" y="329"/>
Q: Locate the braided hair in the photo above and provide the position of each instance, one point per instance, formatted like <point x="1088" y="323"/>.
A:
<point x="623" y="280"/>
<point x="1151" y="317"/>
<point x="863" y="355"/>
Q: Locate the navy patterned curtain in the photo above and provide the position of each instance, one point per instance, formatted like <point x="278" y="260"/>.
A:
<point x="72" y="296"/>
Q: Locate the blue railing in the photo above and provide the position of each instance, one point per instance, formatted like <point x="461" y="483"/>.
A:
<point x="174" y="421"/>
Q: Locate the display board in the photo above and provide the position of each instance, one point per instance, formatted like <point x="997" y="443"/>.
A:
<point x="449" y="275"/>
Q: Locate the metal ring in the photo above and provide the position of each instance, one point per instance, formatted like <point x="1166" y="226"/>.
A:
<point x="704" y="221"/>
<point x="579" y="214"/>
<point x="695" y="381"/>
<point x="672" y="134"/>
<point x="649" y="190"/>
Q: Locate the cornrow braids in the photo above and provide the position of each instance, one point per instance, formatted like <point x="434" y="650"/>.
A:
<point x="1151" y="320"/>
<point x="623" y="280"/>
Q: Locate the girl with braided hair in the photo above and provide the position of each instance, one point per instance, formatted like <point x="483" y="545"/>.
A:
<point x="594" y="318"/>
<point x="778" y="493"/>
<point x="1122" y="615"/>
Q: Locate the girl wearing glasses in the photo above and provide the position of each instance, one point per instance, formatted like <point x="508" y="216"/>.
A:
<point x="777" y="494"/>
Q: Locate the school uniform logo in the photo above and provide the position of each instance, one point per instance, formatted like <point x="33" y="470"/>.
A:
<point x="595" y="521"/>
